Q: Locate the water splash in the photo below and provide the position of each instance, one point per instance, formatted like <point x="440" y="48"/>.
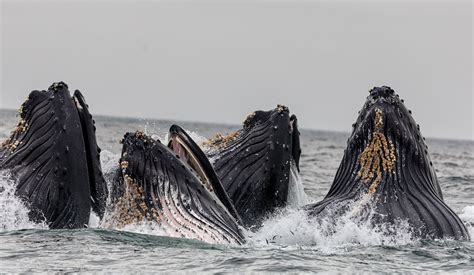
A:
<point x="13" y="212"/>
<point x="143" y="227"/>
<point x="150" y="228"/>
<point x="467" y="216"/>
<point x="94" y="220"/>
<point x="296" y="195"/>
<point x="294" y="228"/>
<point x="198" y="139"/>
<point x="110" y="163"/>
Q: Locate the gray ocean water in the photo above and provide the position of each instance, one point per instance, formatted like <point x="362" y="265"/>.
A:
<point x="288" y="242"/>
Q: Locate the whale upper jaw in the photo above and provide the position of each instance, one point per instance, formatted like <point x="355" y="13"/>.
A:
<point x="54" y="157"/>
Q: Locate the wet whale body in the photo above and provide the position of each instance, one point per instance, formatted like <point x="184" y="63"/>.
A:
<point x="254" y="163"/>
<point x="387" y="165"/>
<point x="174" y="187"/>
<point x="53" y="156"/>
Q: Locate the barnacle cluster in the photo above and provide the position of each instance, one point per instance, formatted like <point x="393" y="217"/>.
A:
<point x="11" y="143"/>
<point x="140" y="135"/>
<point x="219" y="140"/>
<point x="281" y="108"/>
<point x="124" y="164"/>
<point x="248" y="119"/>
<point x="131" y="206"/>
<point x="378" y="156"/>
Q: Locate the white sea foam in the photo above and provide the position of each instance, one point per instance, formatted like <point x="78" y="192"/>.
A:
<point x="13" y="212"/>
<point x="94" y="220"/>
<point x="108" y="161"/>
<point x="198" y="139"/>
<point x="150" y="228"/>
<point x="290" y="228"/>
<point x="293" y="228"/>
<point x="467" y="216"/>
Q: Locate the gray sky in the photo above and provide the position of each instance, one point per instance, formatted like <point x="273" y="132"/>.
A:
<point x="218" y="61"/>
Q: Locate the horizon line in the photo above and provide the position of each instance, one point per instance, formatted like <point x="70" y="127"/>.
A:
<point x="239" y="124"/>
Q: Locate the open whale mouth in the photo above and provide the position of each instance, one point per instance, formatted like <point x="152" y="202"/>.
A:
<point x="191" y="154"/>
<point x="156" y="183"/>
<point x="188" y="152"/>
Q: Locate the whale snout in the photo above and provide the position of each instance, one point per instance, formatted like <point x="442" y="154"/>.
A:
<point x="383" y="101"/>
<point x="384" y="92"/>
<point x="384" y="98"/>
<point x="58" y="86"/>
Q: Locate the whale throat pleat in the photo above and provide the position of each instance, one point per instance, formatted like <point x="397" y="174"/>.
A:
<point x="170" y="194"/>
<point x="387" y="167"/>
<point x="46" y="157"/>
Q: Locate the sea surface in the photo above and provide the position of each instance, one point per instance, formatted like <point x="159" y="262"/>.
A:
<point x="288" y="241"/>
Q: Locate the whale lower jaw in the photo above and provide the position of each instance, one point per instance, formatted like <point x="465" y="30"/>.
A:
<point x="156" y="185"/>
<point x="426" y="218"/>
<point x="387" y="162"/>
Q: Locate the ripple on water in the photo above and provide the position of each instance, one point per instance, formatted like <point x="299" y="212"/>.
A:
<point x="287" y="242"/>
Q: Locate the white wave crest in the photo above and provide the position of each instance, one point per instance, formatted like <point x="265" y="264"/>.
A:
<point x="295" y="229"/>
<point x="110" y="163"/>
<point x="198" y="139"/>
<point x="145" y="227"/>
<point x="13" y="212"/>
<point x="467" y="216"/>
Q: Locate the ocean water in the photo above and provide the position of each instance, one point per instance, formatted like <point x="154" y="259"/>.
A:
<point x="288" y="241"/>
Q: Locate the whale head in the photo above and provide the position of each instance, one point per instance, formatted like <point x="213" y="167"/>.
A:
<point x="53" y="155"/>
<point x="172" y="187"/>
<point x="254" y="163"/>
<point x="387" y="164"/>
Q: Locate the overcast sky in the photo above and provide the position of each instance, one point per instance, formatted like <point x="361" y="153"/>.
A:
<point x="218" y="61"/>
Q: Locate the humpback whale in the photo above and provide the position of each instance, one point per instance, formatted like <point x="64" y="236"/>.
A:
<point x="387" y="165"/>
<point x="53" y="156"/>
<point x="254" y="163"/>
<point x="173" y="186"/>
